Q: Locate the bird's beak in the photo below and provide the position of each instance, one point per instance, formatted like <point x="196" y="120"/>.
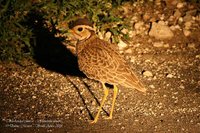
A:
<point x="71" y="36"/>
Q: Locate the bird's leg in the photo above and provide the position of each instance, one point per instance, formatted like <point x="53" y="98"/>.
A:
<point x="113" y="102"/>
<point x="102" y="103"/>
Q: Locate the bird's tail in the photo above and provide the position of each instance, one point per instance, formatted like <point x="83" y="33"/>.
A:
<point x="140" y="87"/>
<point x="133" y="82"/>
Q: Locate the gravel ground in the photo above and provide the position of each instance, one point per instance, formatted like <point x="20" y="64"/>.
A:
<point x="41" y="97"/>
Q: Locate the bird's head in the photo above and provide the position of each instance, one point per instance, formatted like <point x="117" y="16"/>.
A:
<point x="81" y="29"/>
<point x="81" y="32"/>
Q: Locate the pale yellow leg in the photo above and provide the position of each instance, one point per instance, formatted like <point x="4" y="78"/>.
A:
<point x="102" y="103"/>
<point x="113" y="102"/>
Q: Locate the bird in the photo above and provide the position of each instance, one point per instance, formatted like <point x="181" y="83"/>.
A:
<point x="101" y="61"/>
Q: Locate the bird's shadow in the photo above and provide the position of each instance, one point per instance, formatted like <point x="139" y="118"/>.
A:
<point x="48" y="50"/>
<point x="50" y="53"/>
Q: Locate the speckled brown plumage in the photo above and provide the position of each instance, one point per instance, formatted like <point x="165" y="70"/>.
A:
<point x="101" y="61"/>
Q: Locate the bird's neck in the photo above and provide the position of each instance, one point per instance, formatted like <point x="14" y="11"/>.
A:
<point x="82" y="44"/>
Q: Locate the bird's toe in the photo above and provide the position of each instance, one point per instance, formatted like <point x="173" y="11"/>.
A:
<point x="108" y="118"/>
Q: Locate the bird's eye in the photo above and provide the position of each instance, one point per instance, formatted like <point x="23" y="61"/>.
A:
<point x="80" y="29"/>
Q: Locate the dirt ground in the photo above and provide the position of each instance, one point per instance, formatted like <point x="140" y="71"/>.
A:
<point x="52" y="95"/>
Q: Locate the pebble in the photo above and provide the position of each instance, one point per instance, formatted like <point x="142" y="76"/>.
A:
<point x="146" y="16"/>
<point x="180" y="20"/>
<point x="157" y="2"/>
<point x="132" y="60"/>
<point x="170" y="76"/>
<point x="33" y="97"/>
<point x="139" y="25"/>
<point x="188" y="25"/>
<point x="175" y="27"/>
<point x="171" y="2"/>
<point x="177" y="14"/>
<point x="158" y="44"/>
<point x="187" y="17"/>
<point x="182" y="87"/>
<point x="108" y="35"/>
<point x="186" y="32"/>
<point x="197" y="18"/>
<point x="39" y="113"/>
<point x="128" y="51"/>
<point x="162" y="17"/>
<point x="124" y="31"/>
<point x="100" y="35"/>
<point x="166" y="45"/>
<point x="191" y="12"/>
<point x="131" y="33"/>
<point x="147" y="73"/>
<point x="134" y="19"/>
<point x="121" y="44"/>
<point x="152" y="86"/>
<point x="161" y="31"/>
<point x="198" y="56"/>
<point x="180" y="5"/>
<point x="191" y="45"/>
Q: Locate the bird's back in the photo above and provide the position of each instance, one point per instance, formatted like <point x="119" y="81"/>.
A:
<point x="101" y="61"/>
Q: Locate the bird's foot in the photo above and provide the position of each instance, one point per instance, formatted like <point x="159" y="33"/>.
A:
<point x="108" y="118"/>
<point x="94" y="121"/>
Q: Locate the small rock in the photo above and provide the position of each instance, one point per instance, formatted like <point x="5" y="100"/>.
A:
<point x="81" y="108"/>
<point x="100" y="35"/>
<point x="39" y="113"/>
<point x="180" y="5"/>
<point x="158" y="44"/>
<point x="132" y="59"/>
<point x="197" y="56"/>
<point x="188" y="25"/>
<point x="187" y="17"/>
<point x="166" y="45"/>
<point x="146" y="16"/>
<point x="191" y="12"/>
<point x="147" y="74"/>
<point x="186" y="32"/>
<point x="131" y="33"/>
<point x="121" y="44"/>
<point x="148" y="60"/>
<point x="134" y="19"/>
<point x="162" y="17"/>
<point x="172" y="27"/>
<point x="108" y="35"/>
<point x="93" y="103"/>
<point x="171" y="3"/>
<point x="180" y="20"/>
<point x="170" y="76"/>
<point x="177" y="14"/>
<point x="191" y="45"/>
<point x="124" y="31"/>
<point x="161" y="22"/>
<point x="182" y="87"/>
<point x="139" y="25"/>
<point x="161" y="31"/>
<point x="171" y="18"/>
<point x="197" y="18"/>
<point x="158" y="2"/>
<point x="152" y="86"/>
<point x="33" y="97"/>
<point x="128" y="51"/>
